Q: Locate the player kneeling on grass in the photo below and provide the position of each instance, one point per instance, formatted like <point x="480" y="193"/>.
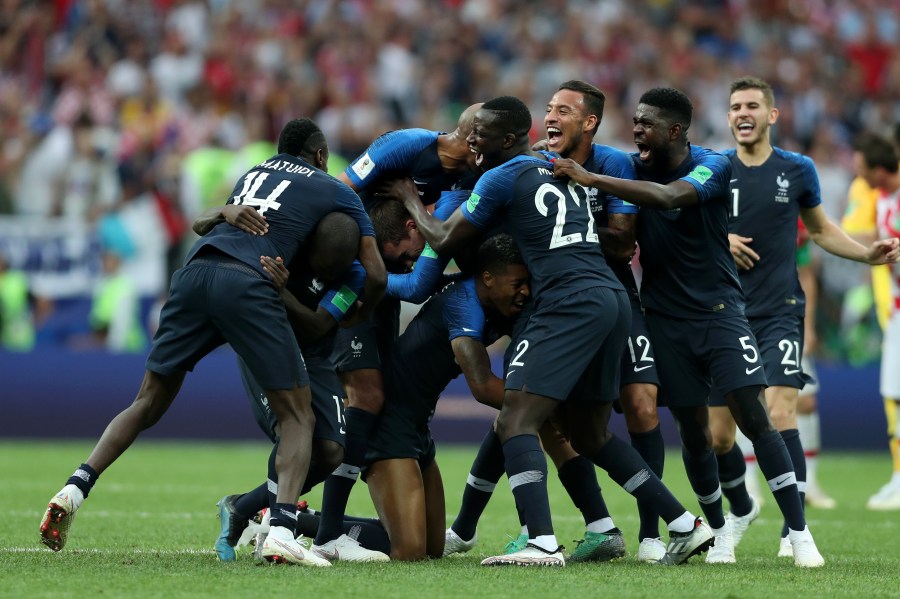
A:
<point x="448" y="336"/>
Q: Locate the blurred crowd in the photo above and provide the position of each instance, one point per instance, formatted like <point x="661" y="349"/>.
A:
<point x="132" y="116"/>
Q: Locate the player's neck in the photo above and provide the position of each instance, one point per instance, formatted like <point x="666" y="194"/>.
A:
<point x="581" y="153"/>
<point x="756" y="154"/>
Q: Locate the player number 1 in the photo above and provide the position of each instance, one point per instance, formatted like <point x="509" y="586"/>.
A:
<point x="734" y="202"/>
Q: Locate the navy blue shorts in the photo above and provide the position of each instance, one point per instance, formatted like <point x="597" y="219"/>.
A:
<point x="571" y="349"/>
<point x="327" y="400"/>
<point x="638" y="361"/>
<point x="401" y="433"/>
<point x="216" y="299"/>
<point x="367" y="345"/>
<point x="780" y="340"/>
<point x="691" y="353"/>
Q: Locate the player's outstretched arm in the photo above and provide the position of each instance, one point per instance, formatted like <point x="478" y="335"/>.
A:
<point x="834" y="240"/>
<point x="245" y="218"/>
<point x="473" y="359"/>
<point x="647" y="194"/>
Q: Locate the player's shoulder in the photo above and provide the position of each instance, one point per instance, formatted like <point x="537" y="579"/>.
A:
<point x="699" y="153"/>
<point x="406" y="138"/>
<point x="730" y="154"/>
<point x="793" y="158"/>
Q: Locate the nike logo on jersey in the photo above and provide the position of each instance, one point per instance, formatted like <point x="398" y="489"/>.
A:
<point x="510" y="372"/>
<point x="638" y="369"/>
<point x="752" y="370"/>
<point x="465" y="330"/>
<point x="733" y="181"/>
<point x="787" y="371"/>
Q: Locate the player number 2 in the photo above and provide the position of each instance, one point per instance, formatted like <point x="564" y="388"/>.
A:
<point x="521" y="348"/>
<point x="560" y="239"/>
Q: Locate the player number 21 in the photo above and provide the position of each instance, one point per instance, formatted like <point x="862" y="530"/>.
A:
<point x="560" y="239"/>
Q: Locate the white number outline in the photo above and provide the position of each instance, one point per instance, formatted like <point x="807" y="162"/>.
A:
<point x="646" y="349"/>
<point x="788" y="346"/>
<point x="735" y="193"/>
<point x="521" y="348"/>
<point x="251" y="186"/>
<point x="749" y="346"/>
<point x="558" y="239"/>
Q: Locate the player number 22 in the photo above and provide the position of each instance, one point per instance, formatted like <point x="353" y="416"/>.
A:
<point x="559" y="239"/>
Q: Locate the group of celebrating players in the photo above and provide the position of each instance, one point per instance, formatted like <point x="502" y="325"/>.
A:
<point x="303" y="275"/>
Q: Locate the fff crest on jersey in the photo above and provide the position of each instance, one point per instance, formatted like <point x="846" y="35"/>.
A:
<point x="781" y="196"/>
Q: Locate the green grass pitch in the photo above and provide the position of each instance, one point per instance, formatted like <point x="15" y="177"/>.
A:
<point x="148" y="528"/>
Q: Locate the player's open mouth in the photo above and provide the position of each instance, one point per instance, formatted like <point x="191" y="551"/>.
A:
<point x="643" y="151"/>
<point x="745" y="129"/>
<point x="554" y="136"/>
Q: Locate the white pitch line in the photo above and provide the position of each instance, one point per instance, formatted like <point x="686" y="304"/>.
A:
<point x="111" y="551"/>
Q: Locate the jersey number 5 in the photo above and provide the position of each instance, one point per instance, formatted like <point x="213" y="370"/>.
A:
<point x="560" y="239"/>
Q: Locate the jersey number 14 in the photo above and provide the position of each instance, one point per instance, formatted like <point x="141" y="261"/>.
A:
<point x="252" y="184"/>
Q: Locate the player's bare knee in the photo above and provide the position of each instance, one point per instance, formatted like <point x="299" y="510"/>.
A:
<point x="408" y="551"/>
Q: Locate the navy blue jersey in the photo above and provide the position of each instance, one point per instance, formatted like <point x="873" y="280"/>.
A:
<point x="293" y="196"/>
<point x="551" y="222"/>
<point x="688" y="268"/>
<point x="605" y="160"/>
<point x="765" y="203"/>
<point x="422" y="358"/>
<point x="406" y="153"/>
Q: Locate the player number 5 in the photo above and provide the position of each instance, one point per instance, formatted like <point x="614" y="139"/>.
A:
<point x="754" y="355"/>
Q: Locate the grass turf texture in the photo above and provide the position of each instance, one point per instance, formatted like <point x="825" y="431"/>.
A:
<point x="148" y="529"/>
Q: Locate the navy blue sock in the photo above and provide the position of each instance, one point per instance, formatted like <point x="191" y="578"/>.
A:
<point x="359" y="425"/>
<point x="703" y="472"/>
<point x="791" y="439"/>
<point x="272" y="482"/>
<point x="625" y="466"/>
<point x="650" y="446"/>
<point x="315" y="476"/>
<point x="732" y="470"/>
<point x="486" y="471"/>
<point x="285" y="514"/>
<point x="775" y="462"/>
<point x="84" y="478"/>
<point x="526" y="468"/>
<point x="579" y="479"/>
<point x="251" y="502"/>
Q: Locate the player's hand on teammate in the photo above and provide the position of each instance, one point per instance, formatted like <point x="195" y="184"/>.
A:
<point x="540" y="145"/>
<point x="744" y="257"/>
<point x="246" y="218"/>
<point x="566" y="167"/>
<point x="276" y="269"/>
<point x="884" y="251"/>
<point x="402" y="188"/>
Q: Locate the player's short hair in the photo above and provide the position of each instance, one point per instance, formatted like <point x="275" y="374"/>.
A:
<point x="877" y="151"/>
<point x="675" y="105"/>
<point x="389" y="220"/>
<point x="496" y="253"/>
<point x="748" y="82"/>
<point x="301" y="137"/>
<point x="512" y="114"/>
<point x="594" y="99"/>
<point x="335" y="240"/>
